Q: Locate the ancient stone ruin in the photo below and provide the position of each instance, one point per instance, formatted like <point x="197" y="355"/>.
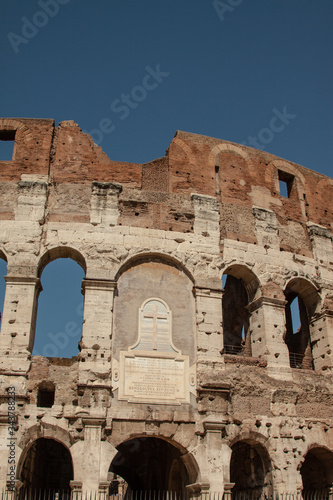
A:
<point x="191" y="375"/>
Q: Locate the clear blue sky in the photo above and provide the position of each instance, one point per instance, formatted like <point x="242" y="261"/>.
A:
<point x="225" y="66"/>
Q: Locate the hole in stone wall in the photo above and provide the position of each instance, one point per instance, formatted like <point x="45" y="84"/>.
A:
<point x="45" y="395"/>
<point x="7" y="142"/>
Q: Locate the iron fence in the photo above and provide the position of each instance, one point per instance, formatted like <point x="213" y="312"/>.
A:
<point x="68" y="494"/>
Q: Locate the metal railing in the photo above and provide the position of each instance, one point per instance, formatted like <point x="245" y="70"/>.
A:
<point x="300" y="361"/>
<point x="255" y="494"/>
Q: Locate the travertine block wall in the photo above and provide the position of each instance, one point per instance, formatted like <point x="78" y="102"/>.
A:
<point x="168" y="229"/>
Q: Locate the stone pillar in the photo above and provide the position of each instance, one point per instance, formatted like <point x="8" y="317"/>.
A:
<point x="96" y="344"/>
<point x="91" y="457"/>
<point x="19" y="321"/>
<point x="321" y="240"/>
<point x="208" y="294"/>
<point x="104" y="203"/>
<point x="215" y="455"/>
<point x="321" y="333"/>
<point x="267" y="330"/>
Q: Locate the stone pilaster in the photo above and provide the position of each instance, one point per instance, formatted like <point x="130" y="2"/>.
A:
<point x="267" y="330"/>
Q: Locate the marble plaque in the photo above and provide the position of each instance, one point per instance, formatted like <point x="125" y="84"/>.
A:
<point x="154" y="379"/>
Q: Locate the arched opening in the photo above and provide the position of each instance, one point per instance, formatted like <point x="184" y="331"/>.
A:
<point x="60" y="310"/>
<point x="317" y="473"/>
<point x="250" y="470"/>
<point x="302" y="299"/>
<point x="47" y="466"/>
<point x="239" y="287"/>
<point x="3" y="273"/>
<point x="149" y="464"/>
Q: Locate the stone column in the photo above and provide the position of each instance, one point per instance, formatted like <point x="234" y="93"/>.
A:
<point x="321" y="333"/>
<point x="96" y="344"/>
<point x="19" y="321"/>
<point x="267" y="330"/>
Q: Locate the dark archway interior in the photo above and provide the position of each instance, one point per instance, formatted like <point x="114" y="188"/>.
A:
<point x="150" y="464"/>
<point x="317" y="471"/>
<point x="235" y="317"/>
<point x="250" y="470"/>
<point x="298" y="340"/>
<point x="48" y="465"/>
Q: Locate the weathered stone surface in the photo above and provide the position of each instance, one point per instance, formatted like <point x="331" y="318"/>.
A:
<point x="165" y="232"/>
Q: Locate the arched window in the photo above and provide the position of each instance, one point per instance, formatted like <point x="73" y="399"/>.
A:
<point x="60" y="310"/>
<point x="302" y="299"/>
<point x="239" y="287"/>
<point x="3" y="273"/>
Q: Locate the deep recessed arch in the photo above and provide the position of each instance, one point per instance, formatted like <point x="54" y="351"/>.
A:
<point x="154" y="463"/>
<point x="46" y="464"/>
<point x="317" y="471"/>
<point x="250" y="468"/>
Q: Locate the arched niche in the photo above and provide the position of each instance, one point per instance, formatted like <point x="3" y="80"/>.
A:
<point x="154" y="278"/>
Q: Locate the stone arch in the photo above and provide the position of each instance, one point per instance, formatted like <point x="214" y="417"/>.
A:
<point x="308" y="291"/>
<point x="47" y="464"/>
<point x="299" y="341"/>
<point x="156" y="257"/>
<point x="51" y="430"/>
<point x="189" y="155"/>
<point x="61" y="252"/>
<point x="240" y="287"/>
<point x="316" y="468"/>
<point x="251" y="465"/>
<point x="42" y="431"/>
<point x="250" y="279"/>
<point x="227" y="147"/>
<point x="162" y="463"/>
